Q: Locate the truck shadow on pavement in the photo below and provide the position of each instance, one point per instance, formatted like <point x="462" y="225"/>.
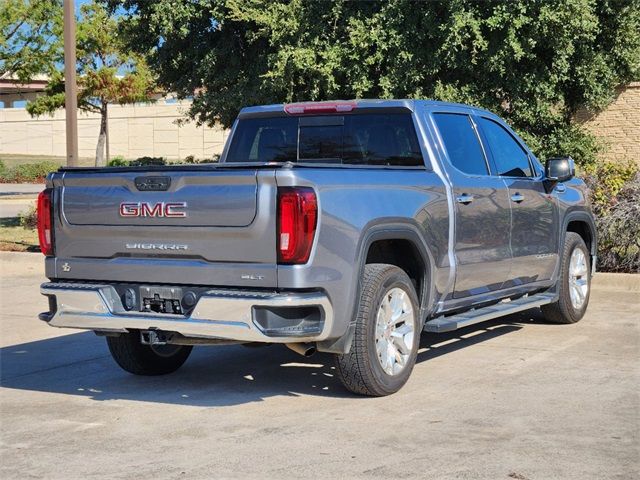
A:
<point x="80" y="364"/>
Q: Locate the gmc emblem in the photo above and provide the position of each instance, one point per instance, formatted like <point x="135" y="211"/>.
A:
<point x="159" y="209"/>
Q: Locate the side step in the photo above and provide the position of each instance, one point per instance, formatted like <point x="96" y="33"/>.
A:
<point x="454" y="322"/>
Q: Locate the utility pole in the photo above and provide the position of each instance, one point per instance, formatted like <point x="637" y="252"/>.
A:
<point x="70" y="86"/>
<point x="106" y="132"/>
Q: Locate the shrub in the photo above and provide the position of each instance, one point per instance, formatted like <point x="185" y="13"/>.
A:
<point x="191" y="160"/>
<point x="33" y="172"/>
<point x="29" y="219"/>
<point x="619" y="230"/>
<point x="147" y="161"/>
<point x="606" y="180"/>
<point x="615" y="193"/>
<point x="118" y="161"/>
<point x="28" y="172"/>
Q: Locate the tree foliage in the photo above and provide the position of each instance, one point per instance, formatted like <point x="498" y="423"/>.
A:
<point x="30" y="37"/>
<point x="107" y="72"/>
<point x="533" y="62"/>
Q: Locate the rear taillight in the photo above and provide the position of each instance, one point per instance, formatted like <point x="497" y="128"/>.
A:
<point x="319" y="107"/>
<point x="45" y="222"/>
<point x="297" y="219"/>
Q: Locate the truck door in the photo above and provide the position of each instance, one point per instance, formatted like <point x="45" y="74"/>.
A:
<point x="534" y="215"/>
<point x="482" y="211"/>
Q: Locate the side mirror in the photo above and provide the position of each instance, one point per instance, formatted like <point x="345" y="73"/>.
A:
<point x="558" y="169"/>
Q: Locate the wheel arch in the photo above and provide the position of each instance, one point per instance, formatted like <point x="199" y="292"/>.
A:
<point x="582" y="223"/>
<point x="378" y="240"/>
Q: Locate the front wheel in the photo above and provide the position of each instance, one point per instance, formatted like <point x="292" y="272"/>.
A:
<point x="385" y="344"/>
<point x="574" y="283"/>
<point x="140" y="359"/>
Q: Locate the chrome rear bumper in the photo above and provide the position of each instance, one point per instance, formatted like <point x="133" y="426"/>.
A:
<point x="219" y="313"/>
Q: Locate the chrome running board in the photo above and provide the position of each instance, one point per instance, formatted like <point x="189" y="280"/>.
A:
<point x="477" y="315"/>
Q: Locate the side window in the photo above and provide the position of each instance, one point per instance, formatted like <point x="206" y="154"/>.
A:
<point x="510" y="158"/>
<point x="381" y="139"/>
<point x="461" y="142"/>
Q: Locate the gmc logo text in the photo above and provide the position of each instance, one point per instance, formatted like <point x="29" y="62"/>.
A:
<point x="158" y="209"/>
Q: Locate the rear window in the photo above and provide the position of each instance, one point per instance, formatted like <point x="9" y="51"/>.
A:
<point x="364" y="139"/>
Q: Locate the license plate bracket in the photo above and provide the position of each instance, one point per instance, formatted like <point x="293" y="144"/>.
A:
<point x="161" y="299"/>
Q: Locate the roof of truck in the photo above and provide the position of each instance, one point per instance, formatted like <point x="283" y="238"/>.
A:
<point x="359" y="103"/>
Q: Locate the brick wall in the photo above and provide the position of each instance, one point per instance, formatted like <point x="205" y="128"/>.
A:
<point x="618" y="125"/>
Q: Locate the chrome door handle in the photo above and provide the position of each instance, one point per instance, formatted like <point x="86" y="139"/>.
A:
<point x="517" y="197"/>
<point x="465" y="199"/>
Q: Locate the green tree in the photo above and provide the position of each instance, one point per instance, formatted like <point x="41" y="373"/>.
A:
<point x="108" y="72"/>
<point x="30" y="37"/>
<point x="533" y="62"/>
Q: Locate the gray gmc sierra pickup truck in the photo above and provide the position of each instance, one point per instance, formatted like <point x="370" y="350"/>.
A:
<point x="346" y="227"/>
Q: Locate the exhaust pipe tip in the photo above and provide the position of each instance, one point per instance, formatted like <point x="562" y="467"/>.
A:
<point x="304" y="349"/>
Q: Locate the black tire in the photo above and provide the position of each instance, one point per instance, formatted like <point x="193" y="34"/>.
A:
<point x="139" y="359"/>
<point x="360" y="370"/>
<point x="563" y="310"/>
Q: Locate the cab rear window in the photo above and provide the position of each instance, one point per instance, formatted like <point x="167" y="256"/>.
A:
<point x="362" y="139"/>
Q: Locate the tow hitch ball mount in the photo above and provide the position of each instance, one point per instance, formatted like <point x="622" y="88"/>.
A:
<point x="153" y="337"/>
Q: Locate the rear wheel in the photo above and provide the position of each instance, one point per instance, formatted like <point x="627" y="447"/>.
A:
<point x="574" y="283"/>
<point x="139" y="359"/>
<point x="385" y="345"/>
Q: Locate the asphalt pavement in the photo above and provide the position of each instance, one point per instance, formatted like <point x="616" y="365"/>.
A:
<point x="515" y="398"/>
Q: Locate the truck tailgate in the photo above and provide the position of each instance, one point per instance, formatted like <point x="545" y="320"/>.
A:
<point x="209" y="227"/>
<point x="223" y="199"/>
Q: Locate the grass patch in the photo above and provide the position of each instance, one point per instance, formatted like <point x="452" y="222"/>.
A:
<point x="16" y="238"/>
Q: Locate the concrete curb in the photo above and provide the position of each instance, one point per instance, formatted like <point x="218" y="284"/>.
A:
<point x="628" y="282"/>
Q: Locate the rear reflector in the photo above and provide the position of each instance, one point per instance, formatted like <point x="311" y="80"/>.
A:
<point x="319" y="107"/>
<point x="297" y="218"/>
<point x="45" y="223"/>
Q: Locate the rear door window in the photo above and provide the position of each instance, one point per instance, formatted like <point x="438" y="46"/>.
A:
<point x="510" y="158"/>
<point x="461" y="142"/>
<point x="359" y="139"/>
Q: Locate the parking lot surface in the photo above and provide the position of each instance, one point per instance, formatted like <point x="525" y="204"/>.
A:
<point x="515" y="398"/>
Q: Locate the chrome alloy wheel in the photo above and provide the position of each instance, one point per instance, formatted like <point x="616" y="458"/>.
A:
<point x="395" y="330"/>
<point x="578" y="278"/>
